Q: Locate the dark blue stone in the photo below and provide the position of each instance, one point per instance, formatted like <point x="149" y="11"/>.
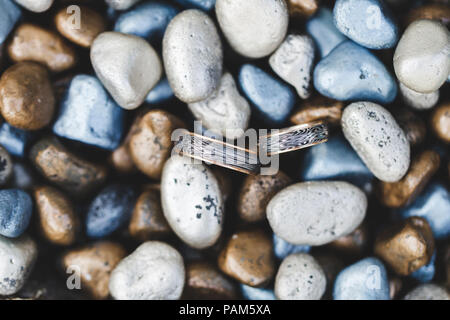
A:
<point x="162" y="92"/>
<point x="434" y="206"/>
<point x="335" y="160"/>
<point x="9" y="15"/>
<point x="109" y="210"/>
<point x="282" y="248"/>
<point x="251" y="293"/>
<point x="205" y="5"/>
<point x="89" y="115"/>
<point x="16" y="207"/>
<point x="272" y="99"/>
<point x="322" y="29"/>
<point x="426" y="273"/>
<point x="367" y="22"/>
<point x="14" y="140"/>
<point x="351" y="72"/>
<point x="148" y="20"/>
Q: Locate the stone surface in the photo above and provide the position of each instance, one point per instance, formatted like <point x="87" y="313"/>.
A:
<point x="154" y="271"/>
<point x="251" y="293"/>
<point x="254" y="28"/>
<point x="6" y="166"/>
<point x="206" y="5"/>
<point x="127" y="66"/>
<point x="440" y="122"/>
<point x="432" y="11"/>
<point x="319" y="108"/>
<point x="316" y="212"/>
<point x="354" y="243"/>
<point x="121" y="4"/>
<point x="35" y="5"/>
<point x="16" y="207"/>
<point x="302" y="8"/>
<point x="282" y="248"/>
<point x="14" y="140"/>
<point x="417" y="100"/>
<point x="427" y="272"/>
<point x="428" y="291"/>
<point x="160" y="93"/>
<point x="9" y="15"/>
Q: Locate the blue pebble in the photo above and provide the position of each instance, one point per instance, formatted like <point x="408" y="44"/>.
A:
<point x="14" y="140"/>
<point x="272" y="99"/>
<point x="205" y="5"/>
<point x="426" y="273"/>
<point x="9" y="15"/>
<point x="335" y="160"/>
<point x="367" y="22"/>
<point x="283" y="248"/>
<point x="365" y="280"/>
<point x="162" y="92"/>
<point x="325" y="34"/>
<point x="16" y="207"/>
<point x="148" y="20"/>
<point x="251" y="293"/>
<point x="110" y="210"/>
<point x="89" y="115"/>
<point x="351" y="72"/>
<point x="434" y="206"/>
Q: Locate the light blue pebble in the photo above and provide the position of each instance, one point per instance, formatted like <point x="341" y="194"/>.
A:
<point x="351" y="72"/>
<point x="367" y="22"/>
<point x="434" y="205"/>
<point x="109" y="210"/>
<point x="14" y="140"/>
<point x="426" y="273"/>
<point x="16" y="207"/>
<point x="283" y="248"/>
<point x="148" y="20"/>
<point x="322" y="29"/>
<point x="251" y="293"/>
<point x="162" y="92"/>
<point x="89" y="115"/>
<point x="9" y="15"/>
<point x="205" y="5"/>
<point x="365" y="280"/>
<point x="335" y="160"/>
<point x="272" y="99"/>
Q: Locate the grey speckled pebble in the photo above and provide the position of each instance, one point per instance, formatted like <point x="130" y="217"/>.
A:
<point x="193" y="57"/>
<point x="254" y="28"/>
<point x="225" y="112"/>
<point x="17" y="257"/>
<point x="300" y="277"/>
<point x="417" y="100"/>
<point x="154" y="271"/>
<point x="121" y="4"/>
<point x="35" y="5"/>
<point x="422" y="56"/>
<point x="316" y="212"/>
<point x="428" y="291"/>
<point x="377" y="139"/>
<point x="192" y="202"/>
<point x="293" y="62"/>
<point x="127" y="66"/>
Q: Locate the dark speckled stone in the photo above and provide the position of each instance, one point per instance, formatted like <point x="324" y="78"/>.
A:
<point x="16" y="207"/>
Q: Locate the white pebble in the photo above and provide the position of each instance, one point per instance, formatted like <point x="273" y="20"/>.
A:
<point x="121" y="4"/>
<point x="316" y="212"/>
<point x="154" y="271"/>
<point x="428" y="291"/>
<point x="17" y="257"/>
<point x="193" y="57"/>
<point x="417" y="100"/>
<point x="377" y="139"/>
<point x="300" y="277"/>
<point x="422" y="56"/>
<point x="254" y="28"/>
<point x="293" y="62"/>
<point x="192" y="202"/>
<point x="127" y="66"/>
<point x="36" y="5"/>
<point x="225" y="112"/>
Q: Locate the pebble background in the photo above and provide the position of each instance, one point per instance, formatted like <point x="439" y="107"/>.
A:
<point x="88" y="183"/>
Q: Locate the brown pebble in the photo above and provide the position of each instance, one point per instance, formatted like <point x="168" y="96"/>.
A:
<point x="147" y="220"/>
<point x="58" y="220"/>
<point x="401" y="193"/>
<point x="91" y="25"/>
<point x="33" y="43"/>
<point x="121" y="160"/>
<point x="413" y="126"/>
<point x="26" y="96"/>
<point x="433" y="11"/>
<point x="6" y="166"/>
<point x="248" y="258"/>
<point x="256" y="192"/>
<point x="353" y="243"/>
<point x="440" y="122"/>
<point x="395" y="286"/>
<point x="95" y="262"/>
<point x="205" y="282"/>
<point x="303" y="8"/>
<point x="406" y="246"/>
<point x="63" y="168"/>
<point x="319" y="108"/>
<point x="150" y="142"/>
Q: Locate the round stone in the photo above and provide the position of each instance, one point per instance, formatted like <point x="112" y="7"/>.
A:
<point x="16" y="207"/>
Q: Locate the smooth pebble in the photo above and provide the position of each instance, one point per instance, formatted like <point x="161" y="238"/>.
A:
<point x="9" y="15"/>
<point x="16" y="207"/>
<point x="121" y="4"/>
<point x="417" y="100"/>
<point x="35" y="5"/>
